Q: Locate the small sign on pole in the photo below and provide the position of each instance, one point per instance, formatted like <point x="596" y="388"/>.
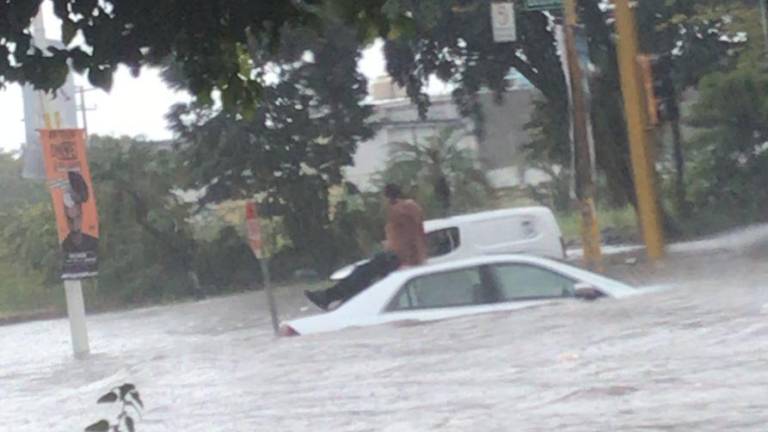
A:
<point x="503" y="21"/>
<point x="74" y="202"/>
<point x="254" y="228"/>
<point x="542" y="5"/>
<point x="253" y="225"/>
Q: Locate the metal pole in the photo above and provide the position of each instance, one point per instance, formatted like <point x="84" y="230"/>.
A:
<point x="585" y="184"/>
<point x="264" y="262"/>
<point x="640" y="151"/>
<point x="76" y="311"/>
<point x="83" y="110"/>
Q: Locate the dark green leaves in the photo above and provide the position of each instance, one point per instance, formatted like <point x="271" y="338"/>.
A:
<point x="108" y="398"/>
<point x="100" y="77"/>
<point x="100" y="426"/>
<point x="129" y="424"/>
<point x="68" y="31"/>
<point x="203" y="36"/>
<point x="137" y="398"/>
<point x="84" y="7"/>
<point x="125" y="390"/>
<point x="128" y="396"/>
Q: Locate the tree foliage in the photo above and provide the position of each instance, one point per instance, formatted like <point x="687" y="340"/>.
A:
<point x="147" y="250"/>
<point x="440" y="172"/>
<point x="291" y="150"/>
<point x="206" y="38"/>
<point x="452" y="40"/>
<point x="27" y="225"/>
<point x="17" y="191"/>
<point x="144" y="228"/>
<point x="731" y="151"/>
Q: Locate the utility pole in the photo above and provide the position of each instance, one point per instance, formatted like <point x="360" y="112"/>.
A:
<point x="637" y="122"/>
<point x="585" y="183"/>
<point x="84" y="108"/>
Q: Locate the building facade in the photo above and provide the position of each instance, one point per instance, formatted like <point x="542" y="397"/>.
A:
<point x="500" y="151"/>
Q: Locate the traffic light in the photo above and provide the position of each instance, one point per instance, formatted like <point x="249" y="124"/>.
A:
<point x="664" y="88"/>
<point x="659" y="87"/>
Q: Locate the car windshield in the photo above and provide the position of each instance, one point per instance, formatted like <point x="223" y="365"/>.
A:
<point x="395" y="215"/>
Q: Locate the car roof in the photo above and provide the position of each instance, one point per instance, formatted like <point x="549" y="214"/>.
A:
<point x="436" y="224"/>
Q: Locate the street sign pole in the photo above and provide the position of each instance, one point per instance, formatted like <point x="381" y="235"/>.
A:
<point x="256" y="243"/>
<point x="267" y="280"/>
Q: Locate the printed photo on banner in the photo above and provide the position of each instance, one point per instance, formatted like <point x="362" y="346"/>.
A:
<point x="69" y="180"/>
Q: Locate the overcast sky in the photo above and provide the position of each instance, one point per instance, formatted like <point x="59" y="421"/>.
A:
<point x="135" y="106"/>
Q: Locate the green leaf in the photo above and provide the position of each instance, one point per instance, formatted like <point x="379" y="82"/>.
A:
<point x="100" y="426"/>
<point x="125" y="389"/>
<point x="108" y="398"/>
<point x="129" y="424"/>
<point x="80" y="59"/>
<point x="137" y="398"/>
<point x="101" y="78"/>
<point x="391" y="9"/>
<point x="68" y="31"/>
<point x="203" y="97"/>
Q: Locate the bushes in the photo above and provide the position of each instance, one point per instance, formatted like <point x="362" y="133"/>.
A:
<point x="226" y="263"/>
<point x="729" y="154"/>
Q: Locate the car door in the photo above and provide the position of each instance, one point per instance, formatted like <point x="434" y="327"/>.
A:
<point x="442" y="295"/>
<point x="476" y="290"/>
<point x="524" y="284"/>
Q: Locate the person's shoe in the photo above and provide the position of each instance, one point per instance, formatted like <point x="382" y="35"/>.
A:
<point x="318" y="298"/>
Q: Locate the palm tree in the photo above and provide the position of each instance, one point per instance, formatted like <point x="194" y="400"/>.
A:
<point x="455" y="179"/>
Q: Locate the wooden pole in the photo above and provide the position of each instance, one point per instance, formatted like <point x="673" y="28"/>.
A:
<point x="585" y="183"/>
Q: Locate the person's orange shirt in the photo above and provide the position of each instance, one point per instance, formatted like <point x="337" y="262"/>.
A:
<point x="405" y="232"/>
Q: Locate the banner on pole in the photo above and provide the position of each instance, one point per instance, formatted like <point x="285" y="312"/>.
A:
<point x="254" y="228"/>
<point x="69" y="180"/>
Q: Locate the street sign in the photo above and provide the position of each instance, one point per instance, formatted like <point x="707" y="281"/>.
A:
<point x="542" y="5"/>
<point x="503" y="21"/>
<point x="254" y="228"/>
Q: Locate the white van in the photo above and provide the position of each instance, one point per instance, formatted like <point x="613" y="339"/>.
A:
<point x="527" y="230"/>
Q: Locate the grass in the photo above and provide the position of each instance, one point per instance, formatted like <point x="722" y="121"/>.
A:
<point x="622" y="221"/>
<point x="20" y="292"/>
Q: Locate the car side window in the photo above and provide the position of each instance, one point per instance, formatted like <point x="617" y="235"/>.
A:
<point x="446" y="289"/>
<point x="526" y="282"/>
<point x="442" y="242"/>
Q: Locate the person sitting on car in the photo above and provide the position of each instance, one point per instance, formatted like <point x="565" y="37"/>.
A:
<point x="405" y="246"/>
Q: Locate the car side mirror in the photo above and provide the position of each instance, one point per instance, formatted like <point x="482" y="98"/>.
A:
<point x="585" y="291"/>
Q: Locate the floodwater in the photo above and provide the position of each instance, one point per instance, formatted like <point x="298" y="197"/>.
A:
<point x="694" y="358"/>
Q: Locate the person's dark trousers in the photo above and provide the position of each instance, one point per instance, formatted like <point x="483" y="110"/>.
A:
<point x="363" y="276"/>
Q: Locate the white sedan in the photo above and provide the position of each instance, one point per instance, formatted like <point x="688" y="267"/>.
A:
<point x="464" y="287"/>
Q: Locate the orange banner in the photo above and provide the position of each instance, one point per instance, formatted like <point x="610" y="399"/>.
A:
<point x="69" y="180"/>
